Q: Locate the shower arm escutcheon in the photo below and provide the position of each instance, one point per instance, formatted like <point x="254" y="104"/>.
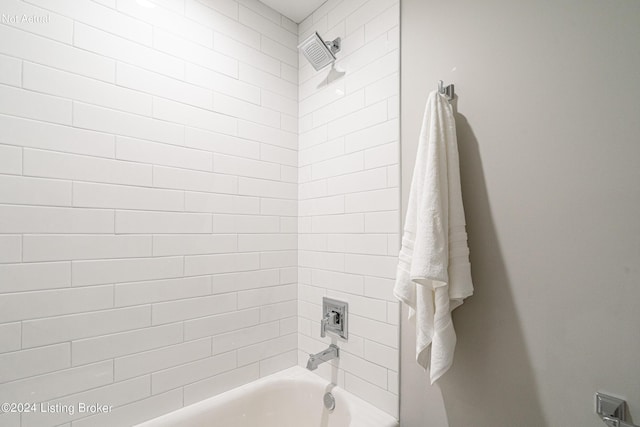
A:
<point x="334" y="45"/>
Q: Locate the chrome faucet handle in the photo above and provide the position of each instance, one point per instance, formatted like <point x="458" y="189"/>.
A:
<point x="329" y="318"/>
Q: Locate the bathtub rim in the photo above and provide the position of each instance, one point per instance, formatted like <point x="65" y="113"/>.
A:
<point x="363" y="414"/>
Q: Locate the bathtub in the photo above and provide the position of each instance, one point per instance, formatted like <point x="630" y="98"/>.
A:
<point x="291" y="398"/>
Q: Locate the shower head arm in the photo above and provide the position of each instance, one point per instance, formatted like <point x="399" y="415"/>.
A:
<point x="334" y="45"/>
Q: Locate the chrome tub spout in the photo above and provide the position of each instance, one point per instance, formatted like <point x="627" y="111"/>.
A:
<point x="333" y="352"/>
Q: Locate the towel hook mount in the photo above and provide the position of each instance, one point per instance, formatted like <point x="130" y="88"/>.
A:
<point x="612" y="410"/>
<point x="447" y="91"/>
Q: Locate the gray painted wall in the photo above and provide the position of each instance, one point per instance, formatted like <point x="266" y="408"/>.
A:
<point x="548" y="120"/>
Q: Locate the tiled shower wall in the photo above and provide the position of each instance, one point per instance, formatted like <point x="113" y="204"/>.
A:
<point x="349" y="194"/>
<point x="148" y="186"/>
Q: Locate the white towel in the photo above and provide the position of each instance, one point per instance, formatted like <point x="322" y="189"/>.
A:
<point x="434" y="273"/>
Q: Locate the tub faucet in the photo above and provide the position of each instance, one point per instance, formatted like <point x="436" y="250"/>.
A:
<point x="329" y="320"/>
<point x="333" y="352"/>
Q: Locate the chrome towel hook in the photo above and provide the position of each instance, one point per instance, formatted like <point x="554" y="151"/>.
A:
<point x="447" y="91"/>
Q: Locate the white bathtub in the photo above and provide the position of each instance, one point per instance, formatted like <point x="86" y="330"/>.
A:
<point x="291" y="398"/>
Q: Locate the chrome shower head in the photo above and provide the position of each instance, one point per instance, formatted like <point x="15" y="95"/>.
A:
<point x="318" y="52"/>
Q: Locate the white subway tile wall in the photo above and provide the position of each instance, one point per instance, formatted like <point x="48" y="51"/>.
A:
<point x="178" y="191"/>
<point x="148" y="204"/>
<point x="348" y="194"/>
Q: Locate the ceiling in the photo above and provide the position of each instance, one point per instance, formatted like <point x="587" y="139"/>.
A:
<point x="296" y="10"/>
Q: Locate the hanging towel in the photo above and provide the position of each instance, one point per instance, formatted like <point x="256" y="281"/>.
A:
<point x="434" y="273"/>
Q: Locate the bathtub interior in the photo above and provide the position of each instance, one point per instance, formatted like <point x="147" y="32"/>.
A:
<point x="291" y="398"/>
<point x="290" y="403"/>
<point x="283" y="403"/>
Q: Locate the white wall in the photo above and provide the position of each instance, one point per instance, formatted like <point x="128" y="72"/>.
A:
<point x="349" y="195"/>
<point x="547" y="120"/>
<point x="148" y="186"/>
